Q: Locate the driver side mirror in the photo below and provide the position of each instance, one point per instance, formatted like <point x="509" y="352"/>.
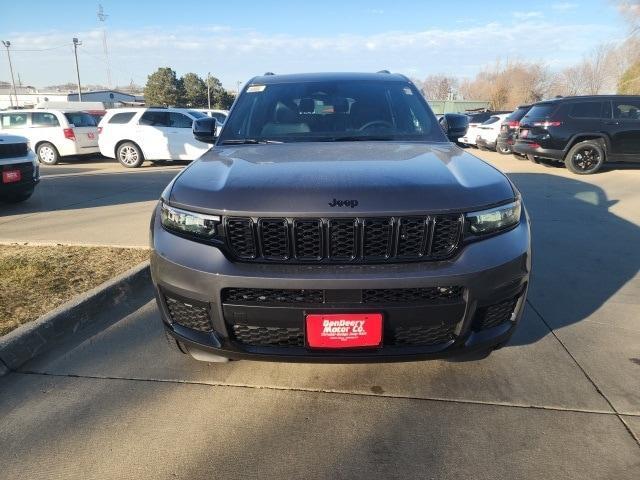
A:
<point x="205" y="129"/>
<point x="455" y="125"/>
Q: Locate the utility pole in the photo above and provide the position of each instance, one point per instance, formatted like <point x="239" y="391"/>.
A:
<point x="208" y="90"/>
<point x="239" y="82"/>
<point x="75" y="52"/>
<point x="7" y="44"/>
<point x="102" y="17"/>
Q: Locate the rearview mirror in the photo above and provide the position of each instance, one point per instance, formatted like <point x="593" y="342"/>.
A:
<point x="205" y="129"/>
<point x="455" y="125"/>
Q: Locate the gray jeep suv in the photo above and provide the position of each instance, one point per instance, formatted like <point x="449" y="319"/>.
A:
<point x="333" y="221"/>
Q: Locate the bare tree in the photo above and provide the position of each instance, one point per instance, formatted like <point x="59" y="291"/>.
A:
<point x="439" y="87"/>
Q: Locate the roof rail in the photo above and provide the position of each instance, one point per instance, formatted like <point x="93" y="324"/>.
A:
<point x="269" y="73"/>
<point x="383" y="71"/>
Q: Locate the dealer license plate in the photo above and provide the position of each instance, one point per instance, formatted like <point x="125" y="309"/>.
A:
<point x="11" y="176"/>
<point x="344" y="330"/>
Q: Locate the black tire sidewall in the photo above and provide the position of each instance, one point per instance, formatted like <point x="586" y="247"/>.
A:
<point x="133" y="145"/>
<point x="580" y="145"/>
<point x="55" y="151"/>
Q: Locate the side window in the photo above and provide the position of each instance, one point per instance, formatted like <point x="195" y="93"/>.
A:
<point x="44" y="119"/>
<point x="124" y="117"/>
<point x="586" y="110"/>
<point x="178" y="120"/>
<point x="14" y="120"/>
<point x="626" y="109"/>
<point x="155" y="119"/>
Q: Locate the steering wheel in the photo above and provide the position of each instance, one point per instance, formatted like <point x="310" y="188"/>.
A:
<point x="368" y="125"/>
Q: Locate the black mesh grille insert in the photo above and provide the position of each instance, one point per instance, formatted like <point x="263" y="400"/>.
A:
<point x="268" y="336"/>
<point x="308" y="239"/>
<point x="446" y="235"/>
<point x="240" y="235"/>
<point x="271" y="295"/>
<point x="421" y="335"/>
<point x="11" y="150"/>
<point x="488" y="317"/>
<point x="412" y="238"/>
<point x="189" y="314"/>
<point x="377" y="237"/>
<point x="274" y="238"/>
<point x="411" y="295"/>
<point x="370" y="296"/>
<point x="342" y="239"/>
<point x="339" y="240"/>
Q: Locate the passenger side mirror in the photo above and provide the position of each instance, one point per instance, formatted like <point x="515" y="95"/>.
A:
<point x="455" y="125"/>
<point x="205" y="129"/>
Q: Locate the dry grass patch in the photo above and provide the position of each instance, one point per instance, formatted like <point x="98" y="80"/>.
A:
<point x="37" y="279"/>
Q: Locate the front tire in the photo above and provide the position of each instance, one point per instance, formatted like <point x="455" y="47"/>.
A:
<point x="129" y="155"/>
<point x="585" y="157"/>
<point x="47" y="154"/>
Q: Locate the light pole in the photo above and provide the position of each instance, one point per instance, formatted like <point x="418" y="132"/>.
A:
<point x="75" y="52"/>
<point x="7" y="44"/>
<point x="208" y="91"/>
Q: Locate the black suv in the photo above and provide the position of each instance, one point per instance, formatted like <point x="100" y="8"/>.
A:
<point x="509" y="130"/>
<point x="583" y="132"/>
<point x="333" y="221"/>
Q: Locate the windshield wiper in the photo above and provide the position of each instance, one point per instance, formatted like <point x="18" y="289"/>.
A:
<point x="359" y="138"/>
<point x="243" y="141"/>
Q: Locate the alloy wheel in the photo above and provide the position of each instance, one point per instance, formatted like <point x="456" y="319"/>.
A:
<point x="128" y="155"/>
<point x="586" y="159"/>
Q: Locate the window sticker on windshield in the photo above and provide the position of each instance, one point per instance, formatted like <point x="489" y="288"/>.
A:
<point x="407" y="91"/>
<point x="256" y="88"/>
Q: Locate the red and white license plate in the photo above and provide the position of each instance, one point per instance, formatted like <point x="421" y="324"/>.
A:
<point x="11" y="176"/>
<point x="344" y="330"/>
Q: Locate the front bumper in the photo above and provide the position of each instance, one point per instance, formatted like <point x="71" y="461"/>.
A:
<point x="191" y="281"/>
<point x="30" y="173"/>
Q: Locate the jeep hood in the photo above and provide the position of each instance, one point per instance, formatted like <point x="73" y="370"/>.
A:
<point x="304" y="178"/>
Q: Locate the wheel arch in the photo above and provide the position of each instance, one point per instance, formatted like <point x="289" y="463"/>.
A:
<point x="581" y="137"/>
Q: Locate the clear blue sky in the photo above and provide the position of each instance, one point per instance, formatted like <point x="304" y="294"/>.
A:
<point x="236" y="40"/>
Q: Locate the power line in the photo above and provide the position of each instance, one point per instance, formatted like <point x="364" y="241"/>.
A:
<point x="39" y="49"/>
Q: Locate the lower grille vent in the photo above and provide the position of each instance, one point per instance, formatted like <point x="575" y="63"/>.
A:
<point x="190" y="314"/>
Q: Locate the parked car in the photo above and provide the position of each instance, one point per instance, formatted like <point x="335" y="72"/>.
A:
<point x="509" y="130"/>
<point x="475" y="120"/>
<point x="333" y="220"/>
<point x="474" y="131"/>
<point x="19" y="167"/>
<point x="219" y="115"/>
<point x="582" y="132"/>
<point x="133" y="135"/>
<point x="53" y="133"/>
<point x="487" y="133"/>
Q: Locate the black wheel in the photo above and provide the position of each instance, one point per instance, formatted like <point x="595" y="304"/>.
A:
<point x="585" y="157"/>
<point x="18" y="197"/>
<point x="503" y="149"/>
<point x="47" y="154"/>
<point x="129" y="155"/>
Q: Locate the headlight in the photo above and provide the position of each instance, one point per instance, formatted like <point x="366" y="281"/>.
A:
<point x="189" y="223"/>
<point x="494" y="219"/>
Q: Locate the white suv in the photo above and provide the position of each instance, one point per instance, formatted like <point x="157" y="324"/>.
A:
<point x="53" y="133"/>
<point x="133" y="135"/>
<point x="19" y="172"/>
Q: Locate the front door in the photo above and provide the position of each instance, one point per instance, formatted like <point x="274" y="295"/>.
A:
<point x="625" y="129"/>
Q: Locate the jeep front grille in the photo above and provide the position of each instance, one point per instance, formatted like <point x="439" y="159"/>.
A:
<point x="343" y="240"/>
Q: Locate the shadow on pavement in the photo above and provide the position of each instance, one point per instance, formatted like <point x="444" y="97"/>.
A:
<point x="583" y="254"/>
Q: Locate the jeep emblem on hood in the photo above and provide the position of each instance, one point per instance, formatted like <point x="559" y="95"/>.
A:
<point x="343" y="203"/>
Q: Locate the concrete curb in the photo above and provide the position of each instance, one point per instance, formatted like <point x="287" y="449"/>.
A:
<point x="34" y="338"/>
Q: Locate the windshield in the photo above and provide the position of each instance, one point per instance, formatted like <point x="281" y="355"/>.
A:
<point x="331" y="111"/>
<point x="518" y="114"/>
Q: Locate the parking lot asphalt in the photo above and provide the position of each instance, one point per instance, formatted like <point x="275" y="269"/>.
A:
<point x="562" y="400"/>
<point x="91" y="201"/>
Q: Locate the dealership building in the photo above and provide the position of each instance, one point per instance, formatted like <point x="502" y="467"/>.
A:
<point x="30" y="97"/>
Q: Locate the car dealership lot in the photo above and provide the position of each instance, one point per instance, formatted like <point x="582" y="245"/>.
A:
<point x="561" y="401"/>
